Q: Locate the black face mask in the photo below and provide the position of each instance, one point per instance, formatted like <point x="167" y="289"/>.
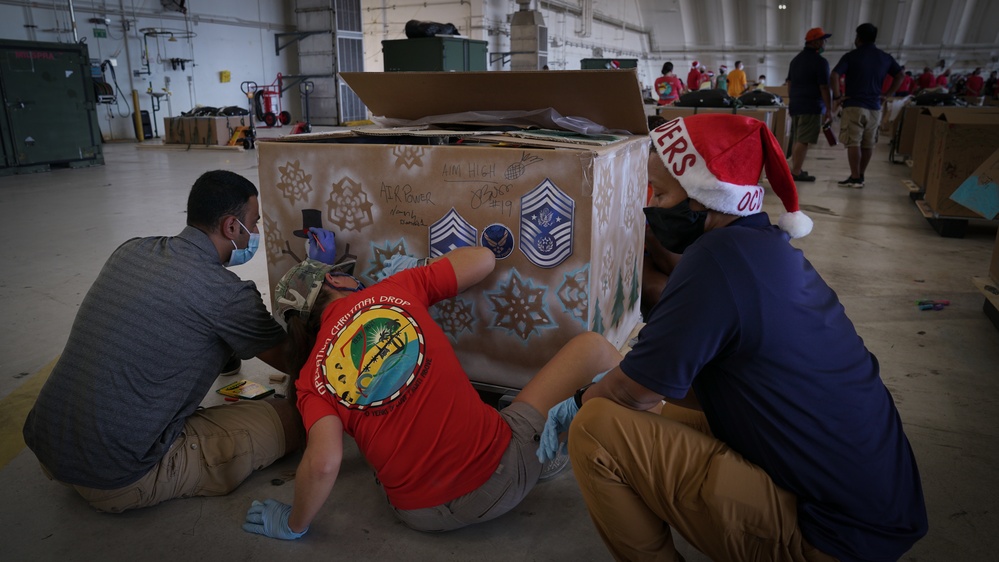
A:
<point x="676" y="228"/>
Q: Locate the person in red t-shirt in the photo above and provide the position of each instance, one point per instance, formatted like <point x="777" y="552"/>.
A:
<point x="694" y="77"/>
<point x="374" y="365"/>
<point x="668" y="87"/>
<point x="926" y="79"/>
<point x="943" y="79"/>
<point x="975" y="83"/>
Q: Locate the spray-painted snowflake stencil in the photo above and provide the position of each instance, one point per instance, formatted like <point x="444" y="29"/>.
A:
<point x="519" y="306"/>
<point x="454" y="316"/>
<point x="408" y="155"/>
<point x="603" y="199"/>
<point x="272" y="238"/>
<point x="574" y="293"/>
<point x="450" y="232"/>
<point x="546" y="225"/>
<point x="606" y="267"/>
<point x="348" y="206"/>
<point x="517" y="169"/>
<point x="380" y="254"/>
<point x="294" y="183"/>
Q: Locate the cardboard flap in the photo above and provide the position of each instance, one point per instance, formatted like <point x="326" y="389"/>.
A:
<point x="611" y="98"/>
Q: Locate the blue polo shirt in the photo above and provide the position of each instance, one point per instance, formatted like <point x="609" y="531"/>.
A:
<point x="865" y="69"/>
<point x="809" y="71"/>
<point x="785" y="380"/>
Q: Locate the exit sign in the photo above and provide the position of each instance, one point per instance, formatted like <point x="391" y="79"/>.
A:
<point x="100" y="33"/>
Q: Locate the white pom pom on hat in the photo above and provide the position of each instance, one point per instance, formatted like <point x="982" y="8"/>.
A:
<point x="718" y="158"/>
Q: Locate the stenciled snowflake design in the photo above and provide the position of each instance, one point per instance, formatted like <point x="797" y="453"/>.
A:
<point x="629" y="258"/>
<point x="606" y="267"/>
<point x="294" y="183"/>
<point x="380" y="254"/>
<point x="520" y="307"/>
<point x="409" y="155"/>
<point x="454" y="317"/>
<point x="348" y="206"/>
<point x="602" y="199"/>
<point x="574" y="293"/>
<point x="272" y="238"/>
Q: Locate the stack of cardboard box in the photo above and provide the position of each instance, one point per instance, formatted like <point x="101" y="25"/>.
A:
<point x="207" y="131"/>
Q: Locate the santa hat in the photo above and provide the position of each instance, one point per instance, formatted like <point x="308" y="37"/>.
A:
<point x="693" y="64"/>
<point x="718" y="157"/>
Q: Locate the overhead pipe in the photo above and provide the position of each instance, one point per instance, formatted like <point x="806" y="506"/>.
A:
<point x="72" y="19"/>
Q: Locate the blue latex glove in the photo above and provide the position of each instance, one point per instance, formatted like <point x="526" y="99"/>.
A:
<point x="327" y="240"/>
<point x="270" y="519"/>
<point x="559" y="418"/>
<point x="397" y="263"/>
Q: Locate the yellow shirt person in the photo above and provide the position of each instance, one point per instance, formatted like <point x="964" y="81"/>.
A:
<point x="736" y="81"/>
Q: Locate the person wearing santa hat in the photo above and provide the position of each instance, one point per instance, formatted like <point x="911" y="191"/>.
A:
<point x="694" y="77"/>
<point x="798" y="452"/>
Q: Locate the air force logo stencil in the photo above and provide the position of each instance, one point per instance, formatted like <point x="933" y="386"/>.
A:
<point x="450" y="232"/>
<point x="499" y="239"/>
<point x="546" y="221"/>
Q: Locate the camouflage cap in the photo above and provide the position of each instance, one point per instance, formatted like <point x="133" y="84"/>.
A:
<point x="298" y="289"/>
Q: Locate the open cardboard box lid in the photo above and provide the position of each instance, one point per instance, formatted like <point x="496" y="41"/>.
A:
<point x="612" y="98"/>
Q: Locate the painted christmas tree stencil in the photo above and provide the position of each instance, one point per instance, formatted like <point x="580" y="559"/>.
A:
<point x="348" y="207"/>
<point x="633" y="297"/>
<point x="294" y="183"/>
<point x="617" y="311"/>
<point x="574" y="293"/>
<point x="598" y="319"/>
<point x="520" y="307"/>
<point x="454" y="316"/>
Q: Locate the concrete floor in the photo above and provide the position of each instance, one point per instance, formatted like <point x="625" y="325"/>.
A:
<point x="871" y="245"/>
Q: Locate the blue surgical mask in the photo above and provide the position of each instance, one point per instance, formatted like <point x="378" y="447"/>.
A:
<point x="242" y="255"/>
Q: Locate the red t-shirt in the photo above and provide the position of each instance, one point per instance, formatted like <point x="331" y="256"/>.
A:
<point x="927" y="80"/>
<point x="942" y="80"/>
<point x="386" y="369"/>
<point x="694" y="79"/>
<point x="668" y="89"/>
<point x="975" y="84"/>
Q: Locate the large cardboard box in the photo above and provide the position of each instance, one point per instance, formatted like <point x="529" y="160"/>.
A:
<point x="564" y="219"/>
<point x="961" y="142"/>
<point x="218" y="130"/>
<point x="922" y="142"/>
<point x="766" y="114"/>
<point x="980" y="191"/>
<point x="783" y="91"/>
<point x="994" y="266"/>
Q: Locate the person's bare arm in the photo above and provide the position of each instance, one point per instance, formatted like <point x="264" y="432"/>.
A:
<point x="317" y="472"/>
<point x="471" y="264"/>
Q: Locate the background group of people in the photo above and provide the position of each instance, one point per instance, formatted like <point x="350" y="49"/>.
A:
<point x="669" y="87"/>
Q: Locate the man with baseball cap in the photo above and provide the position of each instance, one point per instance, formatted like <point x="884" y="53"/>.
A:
<point x="808" y="98"/>
<point x="803" y="456"/>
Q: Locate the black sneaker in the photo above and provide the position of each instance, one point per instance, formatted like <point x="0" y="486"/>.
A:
<point x="231" y="367"/>
<point x="803" y="176"/>
<point x="851" y="182"/>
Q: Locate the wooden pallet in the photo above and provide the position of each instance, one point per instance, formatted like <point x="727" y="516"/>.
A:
<point x="990" y="289"/>
<point x="948" y="227"/>
<point x="915" y="192"/>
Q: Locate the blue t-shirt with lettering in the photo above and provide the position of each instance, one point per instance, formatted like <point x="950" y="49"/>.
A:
<point x="785" y="380"/>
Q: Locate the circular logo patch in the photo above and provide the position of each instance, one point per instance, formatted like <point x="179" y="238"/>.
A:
<point x="374" y="358"/>
<point x="499" y="239"/>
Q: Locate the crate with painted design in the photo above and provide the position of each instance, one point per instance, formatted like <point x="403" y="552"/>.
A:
<point x="561" y="211"/>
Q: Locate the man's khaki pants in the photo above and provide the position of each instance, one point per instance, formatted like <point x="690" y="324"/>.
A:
<point x="641" y="473"/>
